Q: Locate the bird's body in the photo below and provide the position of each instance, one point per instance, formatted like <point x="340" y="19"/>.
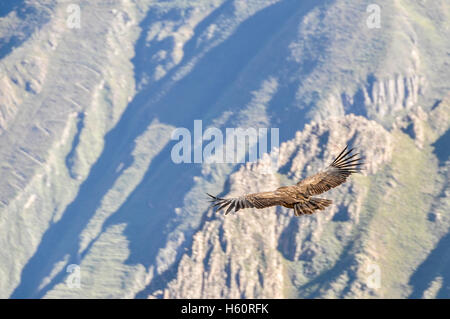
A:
<point x="300" y="196"/>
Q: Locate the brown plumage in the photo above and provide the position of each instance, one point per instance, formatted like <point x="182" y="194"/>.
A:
<point x="299" y="196"/>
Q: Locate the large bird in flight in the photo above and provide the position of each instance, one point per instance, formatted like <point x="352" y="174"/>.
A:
<point x="300" y="196"/>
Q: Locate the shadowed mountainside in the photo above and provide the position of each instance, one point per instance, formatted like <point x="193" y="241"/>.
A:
<point x="87" y="176"/>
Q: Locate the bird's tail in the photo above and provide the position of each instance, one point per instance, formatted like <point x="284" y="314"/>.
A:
<point x="310" y="206"/>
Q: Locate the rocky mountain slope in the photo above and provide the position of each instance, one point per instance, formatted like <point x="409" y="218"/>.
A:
<point x="86" y="115"/>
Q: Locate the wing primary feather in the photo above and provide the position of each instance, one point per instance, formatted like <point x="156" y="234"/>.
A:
<point x="218" y="203"/>
<point x="339" y="156"/>
<point x="230" y="208"/>
<point x="343" y="156"/>
<point x="213" y="198"/>
<point x="238" y="204"/>
<point x="223" y="206"/>
<point x="350" y="162"/>
<point x="346" y="159"/>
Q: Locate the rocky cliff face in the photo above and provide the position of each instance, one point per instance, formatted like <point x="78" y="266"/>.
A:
<point x="271" y="253"/>
<point x="247" y="255"/>
<point x="86" y="115"/>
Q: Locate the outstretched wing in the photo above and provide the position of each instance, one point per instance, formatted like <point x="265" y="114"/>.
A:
<point x="256" y="200"/>
<point x="342" y="167"/>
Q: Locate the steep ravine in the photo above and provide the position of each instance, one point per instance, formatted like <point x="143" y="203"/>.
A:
<point x="86" y="116"/>
<point x="377" y="218"/>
